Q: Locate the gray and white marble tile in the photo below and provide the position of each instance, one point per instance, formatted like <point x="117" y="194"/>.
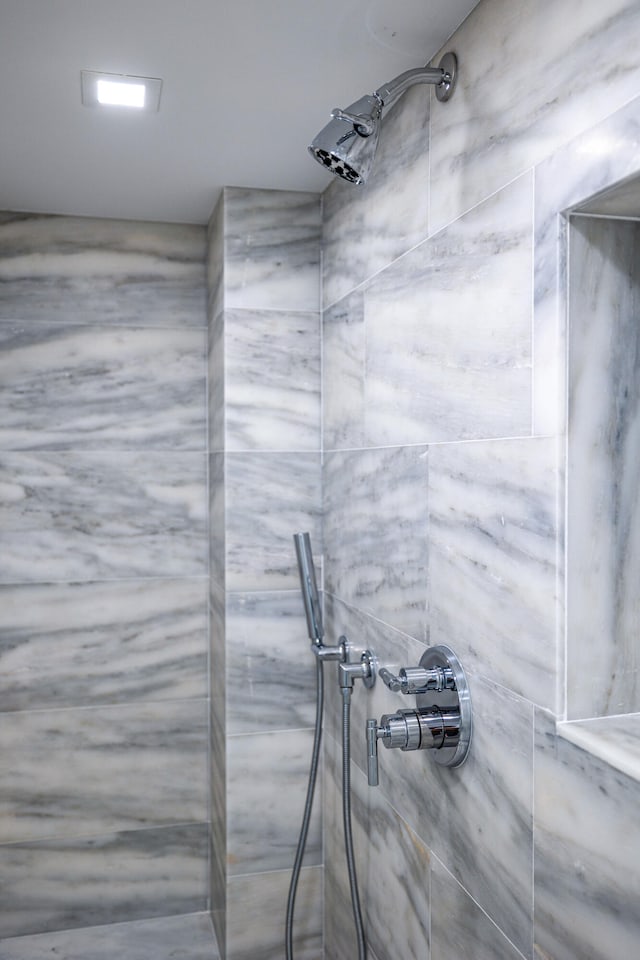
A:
<point x="102" y="769"/>
<point x="69" y="883"/>
<point x="98" y="643"/>
<point x="101" y="388"/>
<point x="215" y="260"/>
<point x="269" y="497"/>
<point x="343" y="373"/>
<point x="478" y="818"/>
<point x="217" y="519"/>
<point x="83" y="270"/>
<point x="602" y="156"/>
<point x="603" y="561"/>
<point x="367" y="227"/>
<point x="494" y="568"/>
<point x="216" y="383"/>
<point x="615" y="740"/>
<point x="188" y="937"/>
<point x="459" y="928"/>
<point x="397" y="893"/>
<point x="447" y="339"/>
<point x="491" y="131"/>
<point x="264" y="808"/>
<point x="375" y="528"/>
<point x="272" y="249"/>
<point x="270" y="673"/>
<point x="340" y="941"/>
<point x="87" y="516"/>
<point x="587" y="853"/>
<point x="272" y="380"/>
<point x="256" y="916"/>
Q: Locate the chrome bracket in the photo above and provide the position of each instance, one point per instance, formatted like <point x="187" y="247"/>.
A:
<point x="441" y="720"/>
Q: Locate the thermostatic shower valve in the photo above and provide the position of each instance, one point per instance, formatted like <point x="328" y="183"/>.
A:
<point x="441" y="720"/>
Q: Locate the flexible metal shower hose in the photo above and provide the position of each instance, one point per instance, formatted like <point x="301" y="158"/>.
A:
<point x="304" y="829"/>
<point x="346" y="816"/>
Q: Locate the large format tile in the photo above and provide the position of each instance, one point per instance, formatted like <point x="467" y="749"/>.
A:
<point x="587" y="854"/>
<point x="590" y="163"/>
<point x="82" y="270"/>
<point x="85" y="516"/>
<point x="477" y="818"/>
<point x="493" y="564"/>
<point x="367" y="227"/>
<point x="101" y="388"/>
<point x="272" y="380"/>
<point x="491" y="131"/>
<point x="97" y="643"/>
<point x="64" y="884"/>
<point x="603" y="562"/>
<point x="264" y="808"/>
<point x="447" y="342"/>
<point x="98" y="770"/>
<point x="187" y="937"/>
<point x="343" y="373"/>
<point x="376" y="532"/>
<point x="269" y="660"/>
<point x="256" y="916"/>
<point x="459" y="928"/>
<point x="272" y="249"/>
<point x="269" y="497"/>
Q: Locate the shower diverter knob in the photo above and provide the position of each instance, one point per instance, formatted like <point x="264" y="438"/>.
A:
<point x="443" y="726"/>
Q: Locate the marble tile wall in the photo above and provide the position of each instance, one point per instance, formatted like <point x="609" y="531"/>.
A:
<point x="103" y="577"/>
<point x="444" y="434"/>
<point x="264" y="304"/>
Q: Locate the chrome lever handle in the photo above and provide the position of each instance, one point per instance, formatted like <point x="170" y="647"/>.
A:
<point x="372" y="753"/>
<point x="417" y="680"/>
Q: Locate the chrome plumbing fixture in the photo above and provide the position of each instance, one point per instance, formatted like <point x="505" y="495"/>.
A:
<point x="348" y="672"/>
<point x="443" y="726"/>
<point x="346" y="146"/>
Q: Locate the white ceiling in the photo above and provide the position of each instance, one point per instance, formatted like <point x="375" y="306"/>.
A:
<point x="246" y="85"/>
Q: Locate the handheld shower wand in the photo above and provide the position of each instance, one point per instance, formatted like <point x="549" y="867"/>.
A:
<point x="309" y="587"/>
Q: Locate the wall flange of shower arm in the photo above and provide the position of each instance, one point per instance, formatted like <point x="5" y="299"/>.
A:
<point x="441" y="721"/>
<point x="347" y="145"/>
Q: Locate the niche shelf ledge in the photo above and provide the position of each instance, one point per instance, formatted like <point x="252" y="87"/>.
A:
<point x="615" y="740"/>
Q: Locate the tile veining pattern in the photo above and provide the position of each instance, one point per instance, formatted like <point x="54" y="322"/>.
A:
<point x="103" y="576"/>
<point x="264" y="345"/>
<point x="444" y="402"/>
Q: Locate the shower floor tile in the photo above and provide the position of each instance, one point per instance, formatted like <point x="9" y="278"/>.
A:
<point x="166" y="938"/>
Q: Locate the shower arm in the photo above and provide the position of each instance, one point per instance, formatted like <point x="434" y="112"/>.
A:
<point x="443" y="77"/>
<point x="389" y="92"/>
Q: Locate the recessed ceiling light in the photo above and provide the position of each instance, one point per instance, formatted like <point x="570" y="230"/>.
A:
<point x="116" y="90"/>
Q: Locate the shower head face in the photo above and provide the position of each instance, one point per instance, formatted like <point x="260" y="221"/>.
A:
<point x="347" y="145"/>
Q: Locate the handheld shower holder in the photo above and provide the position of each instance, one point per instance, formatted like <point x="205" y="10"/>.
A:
<point x="443" y="726"/>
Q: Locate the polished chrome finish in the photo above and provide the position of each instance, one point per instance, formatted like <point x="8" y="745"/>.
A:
<point x="449" y="64"/>
<point x="443" y="727"/>
<point x="458" y="733"/>
<point x="309" y="586"/>
<point x="415" y="680"/>
<point x="347" y="145"/>
<point x="324" y="652"/>
<point x="364" y="669"/>
<point x="364" y="125"/>
<point x="443" y="76"/>
<point x="349" y="153"/>
<point x="372" y="753"/>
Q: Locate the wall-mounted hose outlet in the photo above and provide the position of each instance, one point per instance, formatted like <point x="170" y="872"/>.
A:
<point x="364" y="669"/>
<point x="441" y="721"/>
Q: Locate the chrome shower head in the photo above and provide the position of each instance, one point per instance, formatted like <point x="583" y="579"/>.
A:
<point x="347" y="145"/>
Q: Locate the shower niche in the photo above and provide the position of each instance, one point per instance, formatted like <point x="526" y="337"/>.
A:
<point x="603" y="465"/>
